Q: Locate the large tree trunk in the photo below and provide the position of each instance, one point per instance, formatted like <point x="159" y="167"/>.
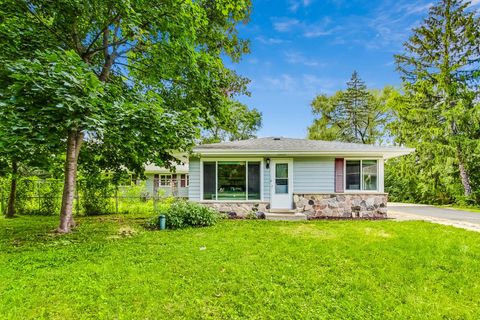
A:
<point x="464" y="175"/>
<point x="74" y="143"/>
<point x="13" y="191"/>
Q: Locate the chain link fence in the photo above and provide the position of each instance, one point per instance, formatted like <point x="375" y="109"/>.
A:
<point x="44" y="197"/>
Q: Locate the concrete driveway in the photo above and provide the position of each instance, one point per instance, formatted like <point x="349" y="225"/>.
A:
<point x="457" y="218"/>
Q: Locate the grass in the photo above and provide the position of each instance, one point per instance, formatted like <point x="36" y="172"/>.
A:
<point x="463" y="208"/>
<point x="111" y="268"/>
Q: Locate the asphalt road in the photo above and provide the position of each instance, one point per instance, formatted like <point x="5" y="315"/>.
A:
<point x="430" y="211"/>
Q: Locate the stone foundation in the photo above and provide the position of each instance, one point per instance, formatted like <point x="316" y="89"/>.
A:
<point x="241" y="209"/>
<point x="346" y="205"/>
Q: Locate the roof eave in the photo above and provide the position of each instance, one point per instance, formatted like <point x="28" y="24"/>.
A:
<point x="386" y="154"/>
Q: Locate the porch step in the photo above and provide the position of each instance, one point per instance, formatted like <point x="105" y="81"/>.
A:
<point x="285" y="216"/>
<point x="290" y="211"/>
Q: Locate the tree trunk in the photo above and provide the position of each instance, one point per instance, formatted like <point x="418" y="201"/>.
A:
<point x="464" y="175"/>
<point x="13" y="191"/>
<point x="74" y="143"/>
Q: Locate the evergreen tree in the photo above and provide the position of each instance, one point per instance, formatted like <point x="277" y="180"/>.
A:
<point x="441" y="69"/>
<point x="352" y="115"/>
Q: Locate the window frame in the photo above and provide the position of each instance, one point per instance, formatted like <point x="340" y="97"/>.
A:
<point x="166" y="179"/>
<point x="186" y="180"/>
<point x="246" y="160"/>
<point x="361" y="190"/>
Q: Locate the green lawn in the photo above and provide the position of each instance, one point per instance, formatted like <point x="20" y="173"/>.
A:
<point x="464" y="208"/>
<point x="238" y="269"/>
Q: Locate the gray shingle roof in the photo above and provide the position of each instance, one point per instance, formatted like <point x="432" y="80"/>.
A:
<point x="289" y="145"/>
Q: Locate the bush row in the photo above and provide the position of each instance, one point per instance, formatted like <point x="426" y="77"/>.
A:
<point x="183" y="214"/>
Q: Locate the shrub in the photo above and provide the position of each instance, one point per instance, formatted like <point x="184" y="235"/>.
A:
<point x="251" y="216"/>
<point x="96" y="195"/>
<point x="183" y="214"/>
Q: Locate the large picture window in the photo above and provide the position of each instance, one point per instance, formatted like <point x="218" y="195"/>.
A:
<point x="231" y="180"/>
<point x="361" y="175"/>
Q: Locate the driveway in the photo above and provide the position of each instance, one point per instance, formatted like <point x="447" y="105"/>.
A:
<point x="457" y="218"/>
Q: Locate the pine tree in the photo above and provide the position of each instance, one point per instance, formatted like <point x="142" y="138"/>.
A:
<point x="355" y="101"/>
<point x="441" y="71"/>
<point x="352" y="115"/>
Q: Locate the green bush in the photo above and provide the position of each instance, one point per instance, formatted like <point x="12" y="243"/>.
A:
<point x="37" y="196"/>
<point x="96" y="195"/>
<point x="184" y="214"/>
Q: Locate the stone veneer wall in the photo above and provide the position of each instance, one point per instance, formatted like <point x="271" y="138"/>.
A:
<point x="347" y="205"/>
<point x="240" y="208"/>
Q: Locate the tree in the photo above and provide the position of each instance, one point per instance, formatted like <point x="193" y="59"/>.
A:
<point x="19" y="144"/>
<point x="353" y="115"/>
<point x="440" y="69"/>
<point x="52" y="95"/>
<point x="170" y="51"/>
<point x="237" y="123"/>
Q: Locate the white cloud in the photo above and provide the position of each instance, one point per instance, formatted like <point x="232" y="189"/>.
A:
<point x="308" y="30"/>
<point x="283" y="82"/>
<point x="303" y="85"/>
<point x="269" y="41"/>
<point x="285" y="24"/>
<point x="475" y="2"/>
<point x="387" y="27"/>
<point x="298" y="58"/>
<point x="318" y="32"/>
<point x="294" y="5"/>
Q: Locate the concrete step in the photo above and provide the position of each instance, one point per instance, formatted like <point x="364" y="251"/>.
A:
<point x="289" y="211"/>
<point x="285" y="216"/>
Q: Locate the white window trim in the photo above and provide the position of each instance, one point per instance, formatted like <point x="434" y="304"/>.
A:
<point x="168" y="178"/>
<point x="216" y="160"/>
<point x="379" y="160"/>
<point x="187" y="180"/>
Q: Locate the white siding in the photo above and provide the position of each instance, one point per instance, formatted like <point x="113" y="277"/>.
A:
<point x="149" y="183"/>
<point x="312" y="175"/>
<point x="194" y="174"/>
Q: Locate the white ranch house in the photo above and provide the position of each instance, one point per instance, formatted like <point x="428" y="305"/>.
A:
<point x="276" y="174"/>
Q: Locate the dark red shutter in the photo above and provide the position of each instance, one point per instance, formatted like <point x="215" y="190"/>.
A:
<point x="183" y="181"/>
<point x="339" y="175"/>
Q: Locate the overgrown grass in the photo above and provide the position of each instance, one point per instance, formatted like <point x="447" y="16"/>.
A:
<point x="111" y="268"/>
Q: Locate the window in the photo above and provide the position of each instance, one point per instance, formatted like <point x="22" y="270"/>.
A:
<point x="281" y="178"/>
<point x="232" y="180"/>
<point x="369" y="174"/>
<point x="352" y="174"/>
<point x="254" y="180"/>
<point x="165" y="180"/>
<point x="361" y="175"/>
<point x="209" y="180"/>
<point x="184" y="180"/>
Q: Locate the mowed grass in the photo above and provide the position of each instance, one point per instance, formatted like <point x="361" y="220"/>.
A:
<point x="112" y="268"/>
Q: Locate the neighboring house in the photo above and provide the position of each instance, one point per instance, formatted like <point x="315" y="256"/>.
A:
<point x="164" y="182"/>
<point x="318" y="178"/>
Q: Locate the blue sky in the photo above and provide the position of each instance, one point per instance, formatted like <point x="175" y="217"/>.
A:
<point x="300" y="48"/>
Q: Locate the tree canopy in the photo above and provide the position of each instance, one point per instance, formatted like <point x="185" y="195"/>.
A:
<point x="236" y="123"/>
<point x="130" y="81"/>
<point x="352" y="115"/>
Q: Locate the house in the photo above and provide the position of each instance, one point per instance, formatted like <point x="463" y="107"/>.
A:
<point x="165" y="182"/>
<point x="315" y="178"/>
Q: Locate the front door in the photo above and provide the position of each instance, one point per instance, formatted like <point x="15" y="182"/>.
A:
<point x="282" y="184"/>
